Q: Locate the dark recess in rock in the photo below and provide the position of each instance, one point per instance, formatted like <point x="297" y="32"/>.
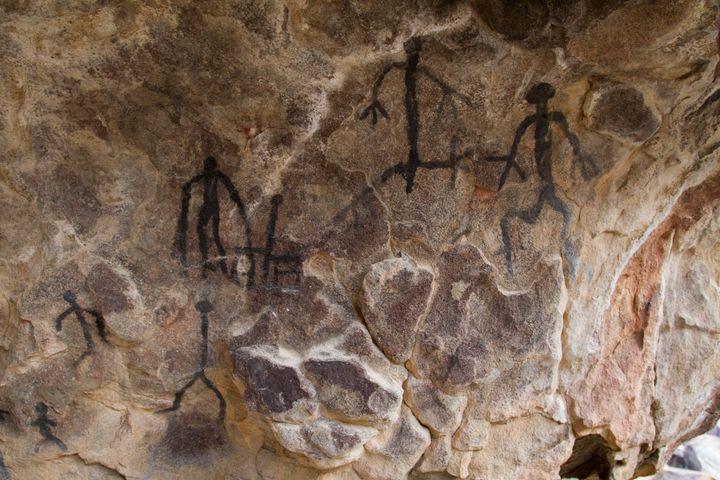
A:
<point x="591" y="455"/>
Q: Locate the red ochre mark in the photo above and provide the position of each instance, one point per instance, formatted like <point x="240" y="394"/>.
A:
<point x="482" y="194"/>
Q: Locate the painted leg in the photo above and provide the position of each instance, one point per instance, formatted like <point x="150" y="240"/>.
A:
<point x="568" y="250"/>
<point x="202" y="244"/>
<point x="219" y="396"/>
<point x="507" y="247"/>
<point x="180" y="393"/>
<point x="89" y="344"/>
<point x="218" y="244"/>
<point x="99" y="324"/>
<point x="410" y="178"/>
<point x="59" y="443"/>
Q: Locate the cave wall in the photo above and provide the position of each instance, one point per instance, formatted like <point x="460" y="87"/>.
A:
<point x="352" y="240"/>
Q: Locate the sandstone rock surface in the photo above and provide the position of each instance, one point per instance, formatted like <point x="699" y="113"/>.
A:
<point x="264" y="239"/>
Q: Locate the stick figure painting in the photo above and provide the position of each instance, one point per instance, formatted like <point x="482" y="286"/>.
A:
<point x="45" y="425"/>
<point x="412" y="71"/>
<point x="209" y="215"/>
<point x="204" y="308"/>
<point x="278" y="271"/>
<point x="80" y="312"/>
<point x="542" y="120"/>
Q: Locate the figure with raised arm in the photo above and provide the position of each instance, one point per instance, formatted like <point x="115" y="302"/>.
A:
<point x="542" y="119"/>
<point x="209" y="214"/>
<point x="79" y="312"/>
<point x="412" y="68"/>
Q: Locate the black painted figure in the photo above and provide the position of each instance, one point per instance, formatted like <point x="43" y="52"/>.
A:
<point x="539" y="95"/>
<point x="4" y="473"/>
<point x="44" y="425"/>
<point x="204" y="308"/>
<point x="70" y="298"/>
<point x="209" y="213"/>
<point x="274" y="266"/>
<point x="411" y="66"/>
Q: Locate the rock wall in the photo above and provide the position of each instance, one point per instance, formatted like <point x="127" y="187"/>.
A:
<point x="264" y="239"/>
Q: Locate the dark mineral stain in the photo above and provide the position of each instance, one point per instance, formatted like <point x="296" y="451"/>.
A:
<point x="516" y="20"/>
<point x="623" y="111"/>
<point x="192" y="436"/>
<point x="272" y="387"/>
<point x="109" y="288"/>
<point x="345" y="388"/>
<point x="543" y="23"/>
<point x="344" y="441"/>
<point x="69" y="196"/>
<point x="342" y="374"/>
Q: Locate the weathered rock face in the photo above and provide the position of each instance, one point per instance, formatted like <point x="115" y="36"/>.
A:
<point x="357" y="240"/>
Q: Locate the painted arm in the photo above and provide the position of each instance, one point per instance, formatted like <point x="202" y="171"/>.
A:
<point x="59" y="320"/>
<point x="510" y="159"/>
<point x="180" y="244"/>
<point x="588" y="169"/>
<point x="447" y="90"/>
<point x="99" y="323"/>
<point x="375" y="105"/>
<point x="235" y="197"/>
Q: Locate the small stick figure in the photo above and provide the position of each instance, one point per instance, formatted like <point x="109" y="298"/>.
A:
<point x="542" y="119"/>
<point x="44" y="423"/>
<point x="204" y="308"/>
<point x="70" y="298"/>
<point x="412" y="47"/>
<point x="209" y="211"/>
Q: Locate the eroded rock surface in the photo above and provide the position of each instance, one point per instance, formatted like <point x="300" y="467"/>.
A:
<point x="396" y="292"/>
<point x="357" y="240"/>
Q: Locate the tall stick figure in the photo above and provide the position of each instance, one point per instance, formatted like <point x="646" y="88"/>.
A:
<point x="204" y="308"/>
<point x="70" y="298"/>
<point x="411" y="65"/>
<point x="209" y="212"/>
<point x="539" y="95"/>
<point x="44" y="424"/>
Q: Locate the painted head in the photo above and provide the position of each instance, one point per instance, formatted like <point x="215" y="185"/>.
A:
<point x="412" y="45"/>
<point x="69" y="297"/>
<point x="41" y="408"/>
<point x="540" y="93"/>
<point x="210" y="164"/>
<point x="203" y="306"/>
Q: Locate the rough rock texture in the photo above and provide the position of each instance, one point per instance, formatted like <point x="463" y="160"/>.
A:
<point x="357" y="240"/>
